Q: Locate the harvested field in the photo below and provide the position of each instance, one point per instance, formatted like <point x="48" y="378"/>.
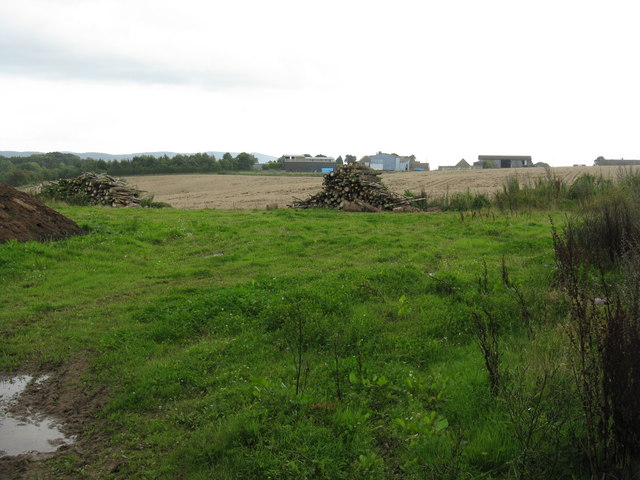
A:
<point x="228" y="192"/>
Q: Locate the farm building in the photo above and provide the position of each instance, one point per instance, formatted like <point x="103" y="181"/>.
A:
<point x="461" y="165"/>
<point x="300" y="163"/>
<point x="388" y="162"/>
<point x="420" y="166"/>
<point x="603" y="162"/>
<point x="504" y="161"/>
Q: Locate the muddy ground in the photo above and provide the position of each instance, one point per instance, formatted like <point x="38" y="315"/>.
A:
<point x="228" y="192"/>
<point x="66" y="397"/>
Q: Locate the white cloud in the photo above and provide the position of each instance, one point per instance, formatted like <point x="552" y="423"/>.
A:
<point x="442" y="80"/>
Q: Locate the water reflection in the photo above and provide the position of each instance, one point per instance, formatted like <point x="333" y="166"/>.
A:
<point x="30" y="434"/>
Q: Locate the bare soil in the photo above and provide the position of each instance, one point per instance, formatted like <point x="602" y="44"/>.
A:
<point x="24" y="218"/>
<point x="228" y="192"/>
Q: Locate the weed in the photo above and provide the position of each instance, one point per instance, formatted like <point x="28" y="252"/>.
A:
<point x="525" y="312"/>
<point x="539" y="403"/>
<point x="487" y="330"/>
<point x="296" y="340"/>
<point x="487" y="334"/>
<point x="336" y="368"/>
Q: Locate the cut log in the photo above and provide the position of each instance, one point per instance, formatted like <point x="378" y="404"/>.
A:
<point x="92" y="189"/>
<point x="355" y="187"/>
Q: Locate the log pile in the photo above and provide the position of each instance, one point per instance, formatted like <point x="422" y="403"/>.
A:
<point x="92" y="189"/>
<point x="355" y="188"/>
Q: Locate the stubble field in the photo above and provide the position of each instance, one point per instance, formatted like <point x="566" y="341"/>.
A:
<point x="256" y="191"/>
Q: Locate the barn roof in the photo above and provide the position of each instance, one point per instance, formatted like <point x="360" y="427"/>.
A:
<point x="504" y="157"/>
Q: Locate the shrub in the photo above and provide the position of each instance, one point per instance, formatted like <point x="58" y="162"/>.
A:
<point x="149" y="202"/>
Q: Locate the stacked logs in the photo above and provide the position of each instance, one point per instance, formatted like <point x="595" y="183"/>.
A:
<point x="92" y="189"/>
<point x="355" y="188"/>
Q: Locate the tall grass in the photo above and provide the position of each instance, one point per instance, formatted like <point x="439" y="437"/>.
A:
<point x="598" y="265"/>
<point x="457" y="202"/>
<point x="542" y="193"/>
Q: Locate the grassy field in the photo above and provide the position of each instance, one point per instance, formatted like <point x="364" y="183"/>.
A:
<point x="297" y="344"/>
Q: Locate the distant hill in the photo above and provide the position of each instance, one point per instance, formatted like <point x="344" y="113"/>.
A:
<point x="18" y="154"/>
<point x="262" y="158"/>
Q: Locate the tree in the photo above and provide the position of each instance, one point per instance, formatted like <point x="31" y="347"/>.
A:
<point x="339" y="161"/>
<point x="272" y="166"/>
<point x="17" y="177"/>
<point x="227" y="162"/>
<point x="6" y="165"/>
<point x="245" y="161"/>
<point x="31" y="166"/>
<point x="488" y="164"/>
<point x="350" y="159"/>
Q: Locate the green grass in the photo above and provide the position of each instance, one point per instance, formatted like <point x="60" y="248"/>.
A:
<point x="191" y="321"/>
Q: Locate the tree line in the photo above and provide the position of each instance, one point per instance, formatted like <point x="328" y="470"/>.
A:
<point x="17" y="171"/>
<point x="279" y="164"/>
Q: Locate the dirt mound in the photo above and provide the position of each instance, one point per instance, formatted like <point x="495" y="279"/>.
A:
<point x="24" y="218"/>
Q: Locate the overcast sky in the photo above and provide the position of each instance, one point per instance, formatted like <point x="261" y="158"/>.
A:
<point x="443" y="80"/>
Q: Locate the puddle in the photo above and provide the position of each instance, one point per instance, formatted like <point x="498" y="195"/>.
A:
<point x="29" y="434"/>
